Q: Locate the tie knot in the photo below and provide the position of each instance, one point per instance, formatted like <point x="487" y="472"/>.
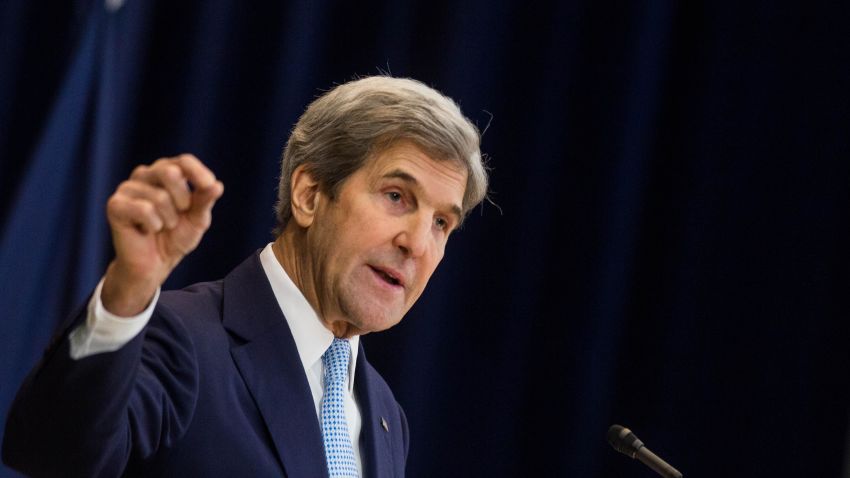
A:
<point x="335" y="360"/>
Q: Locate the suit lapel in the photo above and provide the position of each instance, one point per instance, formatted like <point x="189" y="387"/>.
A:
<point x="268" y="361"/>
<point x="376" y="452"/>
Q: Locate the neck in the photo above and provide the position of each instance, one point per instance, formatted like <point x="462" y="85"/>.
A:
<point x="291" y="251"/>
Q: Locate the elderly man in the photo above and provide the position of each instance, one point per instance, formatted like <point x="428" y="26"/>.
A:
<point x="260" y="373"/>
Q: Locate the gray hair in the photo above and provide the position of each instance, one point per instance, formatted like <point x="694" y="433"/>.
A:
<point x="352" y="122"/>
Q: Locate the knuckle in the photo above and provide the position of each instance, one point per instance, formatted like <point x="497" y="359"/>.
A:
<point x="170" y="171"/>
<point x="162" y="197"/>
<point x="126" y="187"/>
<point x="113" y="203"/>
<point x="187" y="157"/>
<point x="146" y="208"/>
<point x="139" y="170"/>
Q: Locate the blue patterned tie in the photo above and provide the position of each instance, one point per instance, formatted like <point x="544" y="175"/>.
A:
<point x="338" y="449"/>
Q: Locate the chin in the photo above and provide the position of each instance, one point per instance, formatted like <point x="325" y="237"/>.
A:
<point x="372" y="319"/>
<point x="370" y="314"/>
<point x="373" y="324"/>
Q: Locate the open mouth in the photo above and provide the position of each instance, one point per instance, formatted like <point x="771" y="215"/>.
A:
<point x="386" y="277"/>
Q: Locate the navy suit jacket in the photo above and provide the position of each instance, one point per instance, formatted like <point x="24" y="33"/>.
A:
<point x="213" y="386"/>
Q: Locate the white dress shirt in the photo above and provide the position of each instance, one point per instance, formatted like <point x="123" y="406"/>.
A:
<point x="106" y="332"/>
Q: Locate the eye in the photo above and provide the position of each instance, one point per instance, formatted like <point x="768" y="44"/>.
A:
<point x="394" y="196"/>
<point x="441" y="223"/>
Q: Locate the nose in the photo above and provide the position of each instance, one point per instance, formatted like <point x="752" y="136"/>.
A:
<point x="414" y="237"/>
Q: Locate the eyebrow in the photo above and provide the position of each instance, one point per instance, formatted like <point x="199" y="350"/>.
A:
<point x="408" y="178"/>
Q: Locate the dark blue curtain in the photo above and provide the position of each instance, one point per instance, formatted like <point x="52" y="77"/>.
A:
<point x="670" y="250"/>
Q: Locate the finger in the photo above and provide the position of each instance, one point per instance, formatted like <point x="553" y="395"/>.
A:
<point x="138" y="213"/>
<point x="168" y="174"/>
<point x="199" y="176"/>
<point x="203" y="200"/>
<point x="161" y="199"/>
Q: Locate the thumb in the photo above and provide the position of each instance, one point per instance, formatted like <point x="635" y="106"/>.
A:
<point x="203" y="200"/>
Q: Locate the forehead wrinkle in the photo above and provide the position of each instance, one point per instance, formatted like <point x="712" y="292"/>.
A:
<point x="412" y="181"/>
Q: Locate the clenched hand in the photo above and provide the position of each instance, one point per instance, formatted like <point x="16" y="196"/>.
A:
<point x="157" y="216"/>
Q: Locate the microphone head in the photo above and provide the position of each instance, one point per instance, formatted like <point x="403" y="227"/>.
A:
<point x="623" y="440"/>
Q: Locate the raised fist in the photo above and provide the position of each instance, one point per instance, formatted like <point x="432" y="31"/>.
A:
<point x="157" y="216"/>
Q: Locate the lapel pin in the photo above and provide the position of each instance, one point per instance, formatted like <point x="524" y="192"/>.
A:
<point x="385" y="425"/>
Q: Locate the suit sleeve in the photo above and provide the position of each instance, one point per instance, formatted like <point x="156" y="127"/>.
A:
<point x="92" y="416"/>
<point x="103" y="331"/>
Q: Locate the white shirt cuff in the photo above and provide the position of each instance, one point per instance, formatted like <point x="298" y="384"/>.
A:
<point x="104" y="331"/>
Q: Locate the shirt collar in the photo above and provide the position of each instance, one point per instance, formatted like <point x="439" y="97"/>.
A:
<point x="312" y="338"/>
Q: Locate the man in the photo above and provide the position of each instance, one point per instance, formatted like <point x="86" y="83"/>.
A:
<point x="261" y="373"/>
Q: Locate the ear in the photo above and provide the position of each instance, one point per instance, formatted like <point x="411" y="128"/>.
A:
<point x="305" y="196"/>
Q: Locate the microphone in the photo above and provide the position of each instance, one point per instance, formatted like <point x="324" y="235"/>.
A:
<point x="624" y="441"/>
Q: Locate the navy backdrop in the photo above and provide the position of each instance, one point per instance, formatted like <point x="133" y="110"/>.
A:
<point x="669" y="251"/>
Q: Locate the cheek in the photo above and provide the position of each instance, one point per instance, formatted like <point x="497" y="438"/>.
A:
<point x="435" y="259"/>
<point x="427" y="270"/>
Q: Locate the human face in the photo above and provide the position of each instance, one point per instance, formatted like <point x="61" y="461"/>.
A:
<point x="375" y="245"/>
